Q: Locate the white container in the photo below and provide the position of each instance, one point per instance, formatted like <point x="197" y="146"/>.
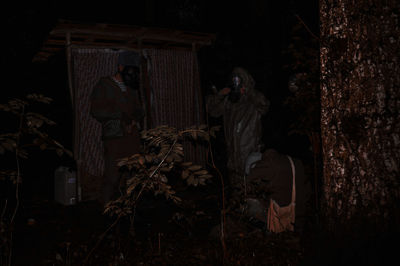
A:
<point x="65" y="186"/>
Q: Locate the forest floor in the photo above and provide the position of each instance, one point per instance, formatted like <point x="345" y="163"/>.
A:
<point x="48" y="233"/>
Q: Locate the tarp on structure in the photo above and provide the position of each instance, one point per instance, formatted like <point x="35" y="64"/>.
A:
<point x="175" y="100"/>
<point x="89" y="65"/>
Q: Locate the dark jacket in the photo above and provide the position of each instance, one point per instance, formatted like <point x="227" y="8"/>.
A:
<point x="113" y="108"/>
<point x="242" y="121"/>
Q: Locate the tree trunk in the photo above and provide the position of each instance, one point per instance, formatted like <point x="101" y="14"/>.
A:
<point x="360" y="103"/>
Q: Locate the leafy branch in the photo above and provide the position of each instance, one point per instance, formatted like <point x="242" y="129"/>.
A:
<point x="163" y="154"/>
<point x="29" y="125"/>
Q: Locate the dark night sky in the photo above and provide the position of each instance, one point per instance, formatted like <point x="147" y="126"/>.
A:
<point x="250" y="33"/>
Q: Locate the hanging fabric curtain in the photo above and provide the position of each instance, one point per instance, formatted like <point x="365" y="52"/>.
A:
<point x="176" y="101"/>
<point x="176" y="98"/>
<point x="89" y="65"/>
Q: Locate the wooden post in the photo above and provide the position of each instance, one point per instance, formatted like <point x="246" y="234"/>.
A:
<point x="75" y="136"/>
<point x="141" y="85"/>
<point x="69" y="67"/>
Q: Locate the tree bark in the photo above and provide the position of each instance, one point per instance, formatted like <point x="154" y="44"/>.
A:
<point x="360" y="103"/>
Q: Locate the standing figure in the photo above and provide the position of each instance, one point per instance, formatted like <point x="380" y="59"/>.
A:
<point x="242" y="108"/>
<point x="115" y="104"/>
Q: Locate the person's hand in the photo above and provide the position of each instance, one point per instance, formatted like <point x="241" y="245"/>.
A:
<point x="224" y="91"/>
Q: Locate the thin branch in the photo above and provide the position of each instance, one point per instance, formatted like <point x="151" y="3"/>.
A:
<point x="305" y="26"/>
<point x="165" y="157"/>
<point x="4" y="209"/>
<point x="101" y="239"/>
<point x="18" y="166"/>
<point x="223" y="212"/>
<point x="17" y="180"/>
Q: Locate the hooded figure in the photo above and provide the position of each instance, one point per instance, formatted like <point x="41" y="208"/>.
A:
<point x="115" y="104"/>
<point x="242" y="108"/>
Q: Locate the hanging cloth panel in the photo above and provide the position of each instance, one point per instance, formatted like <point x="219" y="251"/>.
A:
<point x="89" y="65"/>
<point x="176" y="98"/>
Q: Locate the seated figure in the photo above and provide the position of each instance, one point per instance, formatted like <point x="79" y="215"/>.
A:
<point x="270" y="177"/>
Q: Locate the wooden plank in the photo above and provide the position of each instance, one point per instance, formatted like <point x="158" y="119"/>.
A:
<point x="59" y="44"/>
<point x="118" y="35"/>
<point x="103" y="35"/>
<point x="131" y="31"/>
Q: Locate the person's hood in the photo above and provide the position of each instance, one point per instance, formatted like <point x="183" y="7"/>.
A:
<point x="247" y="80"/>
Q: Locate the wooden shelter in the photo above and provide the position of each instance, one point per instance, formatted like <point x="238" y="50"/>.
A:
<point x="169" y="87"/>
<point x="67" y="34"/>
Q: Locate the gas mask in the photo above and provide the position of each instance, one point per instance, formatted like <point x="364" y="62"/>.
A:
<point x="130" y="76"/>
<point x="235" y="93"/>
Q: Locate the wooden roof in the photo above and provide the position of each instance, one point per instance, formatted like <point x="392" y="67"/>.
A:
<point x="116" y="36"/>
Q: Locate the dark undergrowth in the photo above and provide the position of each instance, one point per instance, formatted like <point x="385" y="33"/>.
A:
<point x="47" y="233"/>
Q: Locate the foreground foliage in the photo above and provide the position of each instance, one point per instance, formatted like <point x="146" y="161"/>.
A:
<point x="162" y="156"/>
<point x="22" y="129"/>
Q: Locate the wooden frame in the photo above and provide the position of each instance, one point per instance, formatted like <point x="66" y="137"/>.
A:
<point x="117" y="36"/>
<point x="68" y="34"/>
